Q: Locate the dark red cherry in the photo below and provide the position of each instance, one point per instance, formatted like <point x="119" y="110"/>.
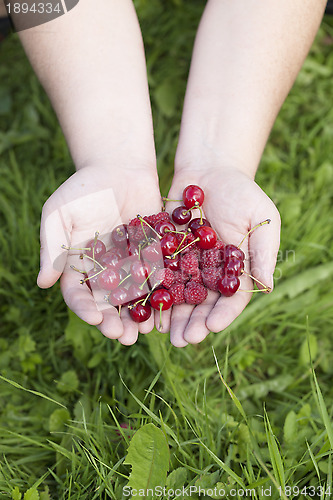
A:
<point x="96" y="249"/>
<point x="163" y="227"/>
<point x="193" y="196"/>
<point x="112" y="258"/>
<point x="231" y="251"/>
<point x="233" y="267"/>
<point x="108" y="279"/>
<point x="140" y="312"/>
<point x="172" y="264"/>
<point x="207" y="237"/>
<point x="181" y="215"/>
<point x="161" y="299"/>
<point x="139" y="271"/>
<point x="152" y="252"/>
<point x="196" y="223"/>
<point x="119" y="296"/>
<point x="119" y="236"/>
<point x="228" y="285"/>
<point x="169" y="244"/>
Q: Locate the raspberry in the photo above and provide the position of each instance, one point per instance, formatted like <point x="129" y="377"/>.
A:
<point x="197" y="277"/>
<point x="164" y="277"/>
<point x="161" y="216"/>
<point x="195" y="293"/>
<point x="219" y="244"/>
<point x="211" y="258"/>
<point x="177" y="293"/>
<point x="210" y="277"/>
<point x="189" y="263"/>
<point x="181" y="277"/>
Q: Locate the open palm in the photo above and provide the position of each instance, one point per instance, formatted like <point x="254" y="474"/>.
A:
<point x="93" y="200"/>
<point x="233" y="204"/>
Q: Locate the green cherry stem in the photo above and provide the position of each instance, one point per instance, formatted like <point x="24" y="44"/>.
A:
<point x="94" y="261"/>
<point x="265" y="287"/>
<point x="142" y="220"/>
<point x="65" y="247"/>
<point x="93" y="276"/>
<point x="76" y="269"/>
<point x="267" y="221"/>
<point x="164" y="199"/>
<point x="145" y="281"/>
<point x="124" y="279"/>
<point x="181" y="249"/>
<point x="95" y="243"/>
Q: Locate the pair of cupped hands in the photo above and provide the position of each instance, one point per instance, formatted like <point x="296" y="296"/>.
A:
<point x="99" y="198"/>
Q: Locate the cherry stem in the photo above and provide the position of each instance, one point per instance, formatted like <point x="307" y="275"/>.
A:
<point x="160" y="324"/>
<point x="142" y="220"/>
<point x="145" y="281"/>
<point x="257" y="281"/>
<point x="124" y="279"/>
<point x="93" y="276"/>
<point x="180" y="244"/>
<point x="76" y="269"/>
<point x="94" y="261"/>
<point x="267" y="221"/>
<point x="95" y="243"/>
<point x="119" y="310"/>
<point x="164" y="199"/>
<point x="266" y="289"/>
<point x="181" y="249"/>
<point x="65" y="247"/>
<point x="201" y="221"/>
<point x="149" y="294"/>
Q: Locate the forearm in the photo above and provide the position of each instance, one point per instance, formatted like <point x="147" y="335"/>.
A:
<point x="246" y="57"/>
<point x="91" y="63"/>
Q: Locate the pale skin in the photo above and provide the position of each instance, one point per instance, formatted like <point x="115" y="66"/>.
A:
<point x="91" y="62"/>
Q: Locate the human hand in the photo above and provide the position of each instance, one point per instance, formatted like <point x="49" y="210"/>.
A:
<point x="233" y="204"/>
<point x="93" y="199"/>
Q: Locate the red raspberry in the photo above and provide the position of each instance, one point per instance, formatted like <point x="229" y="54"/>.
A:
<point x="197" y="278"/>
<point x="211" y="258"/>
<point x="181" y="277"/>
<point x="189" y="263"/>
<point x="219" y="244"/>
<point x="195" y="293"/>
<point x="164" y="277"/>
<point x="210" y="277"/>
<point x="161" y="216"/>
<point x="177" y="293"/>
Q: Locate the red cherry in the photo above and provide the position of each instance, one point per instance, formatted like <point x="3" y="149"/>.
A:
<point x="112" y="258"/>
<point x="108" y="279"/>
<point x="172" y="264"/>
<point x="119" y="236"/>
<point x="140" y="312"/>
<point x="161" y="299"/>
<point x="153" y="252"/>
<point x="228" y="285"/>
<point x="193" y="196"/>
<point x="96" y="249"/>
<point x="181" y="215"/>
<point x="163" y="227"/>
<point x="207" y="237"/>
<point x="139" y="271"/>
<point x="196" y="223"/>
<point x="233" y="267"/>
<point x="92" y="276"/>
<point x="119" y="296"/>
<point x="231" y="251"/>
<point x="169" y="244"/>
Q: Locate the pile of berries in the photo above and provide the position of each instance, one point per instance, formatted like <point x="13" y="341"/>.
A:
<point x="162" y="260"/>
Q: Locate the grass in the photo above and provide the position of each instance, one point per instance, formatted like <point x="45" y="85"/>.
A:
<point x="249" y="408"/>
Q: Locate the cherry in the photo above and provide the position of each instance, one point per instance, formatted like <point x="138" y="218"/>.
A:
<point x="139" y="271"/>
<point x="119" y="296"/>
<point x="112" y="258"/>
<point x="135" y="292"/>
<point x="139" y="312"/>
<point x="172" y="264"/>
<point x="181" y="215"/>
<point x="196" y="223"/>
<point x="193" y="196"/>
<point x="169" y="244"/>
<point x="153" y="252"/>
<point x="92" y="277"/>
<point x="108" y="279"/>
<point x="207" y="237"/>
<point x="119" y="236"/>
<point x="233" y="267"/>
<point x="96" y="249"/>
<point x="132" y="248"/>
<point x="231" y="251"/>
<point x="162" y="227"/>
<point x="228" y="285"/>
<point x="161" y="299"/>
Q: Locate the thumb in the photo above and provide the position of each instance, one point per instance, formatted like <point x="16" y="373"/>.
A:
<point x="264" y="245"/>
<point x="53" y="235"/>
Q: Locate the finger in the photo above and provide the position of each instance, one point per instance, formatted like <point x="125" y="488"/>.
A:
<point x="79" y="298"/>
<point x="179" y="320"/>
<point x="196" y="330"/>
<point x="162" y="322"/>
<point x="227" y="309"/>
<point x="111" y="325"/>
<point x="264" y="245"/>
<point x="148" y="325"/>
<point x="130" y="335"/>
<point x="54" y="232"/>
